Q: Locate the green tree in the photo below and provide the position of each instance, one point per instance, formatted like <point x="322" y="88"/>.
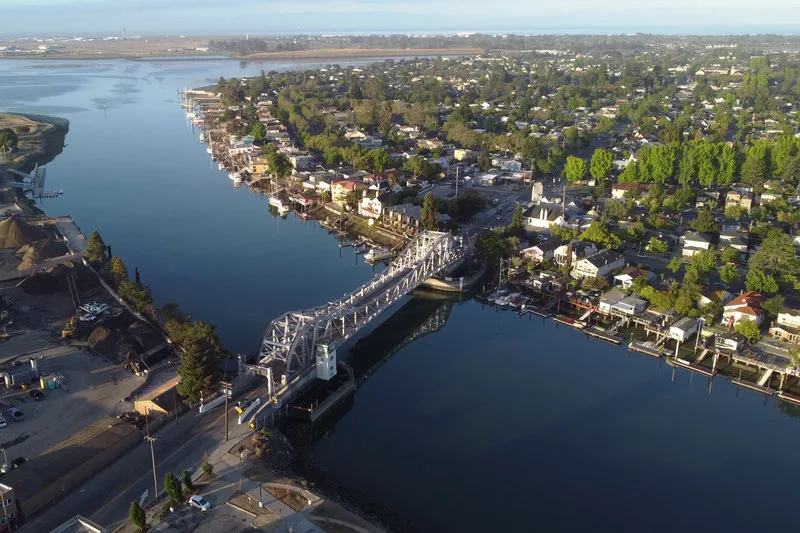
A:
<point x="279" y="165"/>
<point x="137" y="516"/>
<point x="630" y="174"/>
<point x="730" y="255"/>
<point x="8" y="139"/>
<point x="773" y="305"/>
<point x="616" y="210"/>
<point x="728" y="274"/>
<point x="380" y="159"/>
<point x="139" y="296"/>
<point x="117" y="271"/>
<point x="490" y="245"/>
<point x="748" y="329"/>
<point x="758" y="280"/>
<point x="575" y="168"/>
<point x="95" y="248"/>
<point x="353" y="198"/>
<point x="517" y="224"/>
<point x="258" y="131"/>
<point x="704" y="261"/>
<point x="599" y="234"/>
<point x="776" y="256"/>
<point x="208" y="469"/>
<point x="656" y="246"/>
<point x="735" y="212"/>
<point x="173" y="488"/>
<point x="187" y="481"/>
<point x="428" y="213"/>
<point x="791" y="170"/>
<point x="601" y="164"/>
<point x="198" y="368"/>
<point x="755" y="168"/>
<point x="674" y="265"/>
<point x="704" y="221"/>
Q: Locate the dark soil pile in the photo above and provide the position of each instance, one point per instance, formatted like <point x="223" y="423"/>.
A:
<point x="118" y="345"/>
<point x="16" y="233"/>
<point x="32" y="254"/>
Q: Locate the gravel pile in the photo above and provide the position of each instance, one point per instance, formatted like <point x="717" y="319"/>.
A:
<point x="16" y="233"/>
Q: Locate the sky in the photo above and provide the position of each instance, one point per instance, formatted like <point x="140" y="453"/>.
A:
<point x="234" y="17"/>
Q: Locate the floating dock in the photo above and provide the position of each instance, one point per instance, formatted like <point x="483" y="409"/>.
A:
<point x="688" y="365"/>
<point x="564" y="319"/>
<point x="645" y="348"/>
<point x="603" y="336"/>
<point x="789" y="397"/>
<point x="753" y="386"/>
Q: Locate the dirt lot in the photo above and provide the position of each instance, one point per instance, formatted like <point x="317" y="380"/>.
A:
<point x="95" y="386"/>
<point x="29" y="142"/>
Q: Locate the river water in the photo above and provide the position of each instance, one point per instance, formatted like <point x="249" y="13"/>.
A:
<point x="482" y="421"/>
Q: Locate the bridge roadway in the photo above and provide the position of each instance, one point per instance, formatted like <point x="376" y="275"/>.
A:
<point x="288" y="347"/>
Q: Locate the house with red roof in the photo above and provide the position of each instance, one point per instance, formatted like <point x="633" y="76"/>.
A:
<point x="746" y="306"/>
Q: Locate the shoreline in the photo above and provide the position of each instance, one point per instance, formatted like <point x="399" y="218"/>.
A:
<point x="298" y="55"/>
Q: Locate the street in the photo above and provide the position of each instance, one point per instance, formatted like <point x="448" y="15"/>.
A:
<point x="106" y="497"/>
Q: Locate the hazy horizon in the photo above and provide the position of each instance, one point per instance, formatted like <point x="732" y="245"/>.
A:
<point x="270" y="17"/>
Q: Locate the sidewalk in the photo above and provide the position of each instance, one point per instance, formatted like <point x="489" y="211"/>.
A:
<point x="228" y="469"/>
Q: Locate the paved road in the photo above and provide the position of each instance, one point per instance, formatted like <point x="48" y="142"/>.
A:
<point x="106" y="497"/>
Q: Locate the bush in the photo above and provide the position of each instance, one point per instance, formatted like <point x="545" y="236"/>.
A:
<point x="187" y="480"/>
<point x="208" y="469"/>
<point x="137" y="516"/>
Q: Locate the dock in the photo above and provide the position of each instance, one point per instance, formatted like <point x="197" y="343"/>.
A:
<point x="753" y="386"/>
<point x="688" y="365"/>
<point x="647" y="348"/>
<point x="603" y="335"/>
<point x="564" y="319"/>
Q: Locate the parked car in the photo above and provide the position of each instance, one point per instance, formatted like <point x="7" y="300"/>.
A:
<point x="3" y="422"/>
<point x="37" y="395"/>
<point x="16" y="414"/>
<point x="199" y="503"/>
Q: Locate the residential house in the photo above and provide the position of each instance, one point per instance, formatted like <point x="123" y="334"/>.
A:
<point x="355" y="135"/>
<point x="488" y="179"/>
<point x="258" y="165"/>
<point x="461" y="154"/>
<point x="746" y="306"/>
<point x="340" y="189"/>
<point x="302" y="161"/>
<point x="541" y="251"/>
<point x="734" y="240"/>
<point x="372" y="203"/>
<point x="787" y="326"/>
<point x="732" y="342"/>
<point x="694" y="242"/>
<point x="543" y="215"/>
<point x="598" y="265"/>
<point x="618" y="190"/>
<point x="629" y="273"/>
<point x="430" y="144"/>
<point x="683" y="329"/>
<point x="739" y="199"/>
<point x="403" y="216"/>
<point x="573" y="252"/>
<point x="719" y="296"/>
<point x="10" y="515"/>
<point x="507" y="163"/>
<point x="616" y="302"/>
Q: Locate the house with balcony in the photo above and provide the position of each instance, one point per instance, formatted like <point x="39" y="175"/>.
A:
<point x="787" y="326"/>
<point x="746" y="306"/>
<point x="736" y="198"/>
<point x="402" y="217"/>
<point x="598" y="265"/>
<point x="573" y="252"/>
<point x="372" y="203"/>
<point x="542" y="251"/>
<point x="694" y="242"/>
<point x="543" y="215"/>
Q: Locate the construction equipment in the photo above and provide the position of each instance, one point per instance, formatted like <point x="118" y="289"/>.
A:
<point x="69" y="329"/>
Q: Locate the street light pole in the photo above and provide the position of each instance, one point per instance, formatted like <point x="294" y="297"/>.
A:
<point x="226" y="390"/>
<point x="152" y="454"/>
<point x="5" y="458"/>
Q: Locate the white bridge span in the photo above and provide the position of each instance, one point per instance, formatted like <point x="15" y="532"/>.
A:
<point x="288" y="346"/>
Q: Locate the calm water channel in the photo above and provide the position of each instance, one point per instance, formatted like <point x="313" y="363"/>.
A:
<point x="488" y="422"/>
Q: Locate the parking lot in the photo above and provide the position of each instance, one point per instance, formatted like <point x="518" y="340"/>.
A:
<point x="94" y="387"/>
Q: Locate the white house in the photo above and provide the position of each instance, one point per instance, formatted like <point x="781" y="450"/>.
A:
<point x="617" y="302"/>
<point x="372" y="203"/>
<point x="694" y="242"/>
<point x="541" y="251"/>
<point x="787" y="326"/>
<point x="746" y="306"/>
<point x="683" y="329"/>
<point x="579" y="250"/>
<point x="543" y="215"/>
<point x="597" y="265"/>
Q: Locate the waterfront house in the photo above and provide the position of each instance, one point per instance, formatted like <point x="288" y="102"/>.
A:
<point x="694" y="242"/>
<point x="340" y="189"/>
<point x="787" y="325"/>
<point x="731" y="341"/>
<point x="541" y="251"/>
<point x="372" y="203"/>
<point x="683" y="329"/>
<point x="258" y="165"/>
<point x="302" y="161"/>
<point x="598" y="265"/>
<point x="573" y="252"/>
<point x="403" y="216"/>
<point x="543" y="215"/>
<point x="629" y="273"/>
<point x="618" y="303"/>
<point x="746" y="306"/>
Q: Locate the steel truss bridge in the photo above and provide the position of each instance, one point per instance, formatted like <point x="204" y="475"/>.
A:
<point x="289" y="344"/>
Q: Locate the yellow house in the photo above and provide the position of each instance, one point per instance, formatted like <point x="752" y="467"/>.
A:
<point x="258" y="165"/>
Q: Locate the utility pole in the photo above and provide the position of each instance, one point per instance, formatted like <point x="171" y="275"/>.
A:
<point x="226" y="389"/>
<point x="151" y="440"/>
<point x="5" y="459"/>
<point x="457" y="172"/>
